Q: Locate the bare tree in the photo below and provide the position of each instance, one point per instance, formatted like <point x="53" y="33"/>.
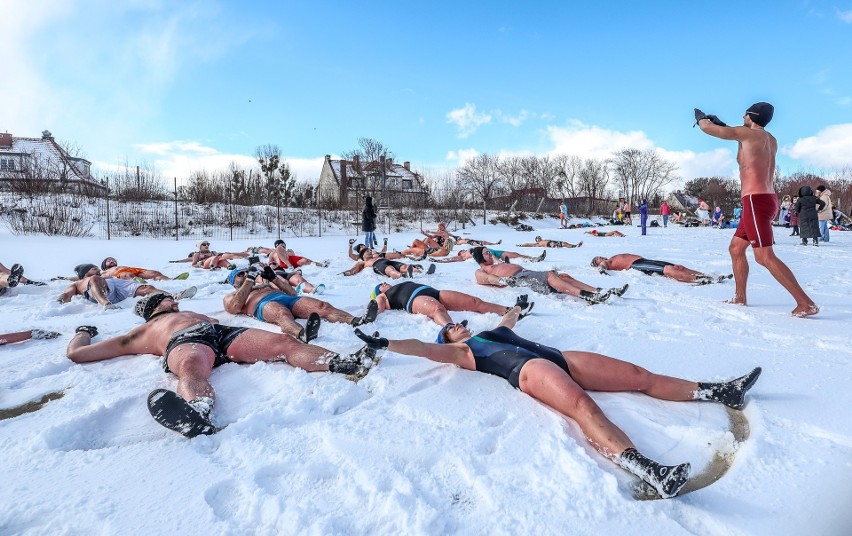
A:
<point x="641" y="173"/>
<point x="592" y="182"/>
<point x="269" y="158"/>
<point x="369" y="150"/>
<point x="511" y="170"/>
<point x="567" y="180"/>
<point x="481" y="179"/>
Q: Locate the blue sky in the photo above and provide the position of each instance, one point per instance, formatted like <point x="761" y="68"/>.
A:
<point x="186" y="85"/>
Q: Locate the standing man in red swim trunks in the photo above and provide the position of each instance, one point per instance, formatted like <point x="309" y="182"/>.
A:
<point x="756" y="157"/>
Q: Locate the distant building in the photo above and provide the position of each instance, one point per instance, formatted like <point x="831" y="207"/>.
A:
<point x="680" y="201"/>
<point x="32" y="160"/>
<point x="345" y="183"/>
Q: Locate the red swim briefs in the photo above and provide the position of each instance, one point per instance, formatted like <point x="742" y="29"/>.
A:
<point x="756" y="220"/>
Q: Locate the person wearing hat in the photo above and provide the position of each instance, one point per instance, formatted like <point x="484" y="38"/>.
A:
<point x="417" y="298"/>
<point x="382" y="266"/>
<point x="212" y="260"/>
<point x="110" y="268"/>
<point x="108" y="291"/>
<point x="540" y="242"/>
<point x="193" y="344"/>
<point x="272" y="299"/>
<point x="287" y="258"/>
<point x="756" y="158"/>
<point x="560" y="380"/>
<point x="491" y="272"/>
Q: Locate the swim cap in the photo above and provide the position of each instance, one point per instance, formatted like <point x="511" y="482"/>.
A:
<point x="477" y="254"/>
<point x="233" y="275"/>
<point x="279" y="241"/>
<point x="376" y="291"/>
<point x="81" y="269"/>
<point x="198" y="244"/>
<point x="440" y="339"/>
<point x="146" y="304"/>
<point x="103" y="262"/>
<point x="761" y="113"/>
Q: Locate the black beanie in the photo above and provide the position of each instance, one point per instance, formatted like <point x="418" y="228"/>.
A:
<point x="81" y="269"/>
<point x="146" y="305"/>
<point x="477" y="254"/>
<point x="761" y="113"/>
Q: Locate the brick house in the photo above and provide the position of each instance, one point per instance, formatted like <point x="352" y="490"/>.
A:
<point x="345" y="183"/>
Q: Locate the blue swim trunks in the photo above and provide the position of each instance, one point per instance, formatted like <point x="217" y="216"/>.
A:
<point x="277" y="297"/>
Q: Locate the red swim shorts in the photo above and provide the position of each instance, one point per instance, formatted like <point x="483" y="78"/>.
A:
<point x="756" y="220"/>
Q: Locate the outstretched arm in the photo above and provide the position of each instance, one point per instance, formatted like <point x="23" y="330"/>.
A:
<point x="356" y="268"/>
<point x="484" y="278"/>
<point x="454" y="354"/>
<point x="81" y="349"/>
<point x="69" y="293"/>
<point x="510" y="318"/>
<point x="713" y="126"/>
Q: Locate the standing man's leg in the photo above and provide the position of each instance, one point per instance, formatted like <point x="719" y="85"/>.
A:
<point x="737" y="249"/>
<point x="805" y="306"/>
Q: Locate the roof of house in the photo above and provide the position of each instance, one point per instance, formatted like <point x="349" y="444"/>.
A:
<point x="370" y="169"/>
<point x="43" y="149"/>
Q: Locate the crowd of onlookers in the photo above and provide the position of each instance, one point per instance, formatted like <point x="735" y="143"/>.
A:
<point x="809" y="214"/>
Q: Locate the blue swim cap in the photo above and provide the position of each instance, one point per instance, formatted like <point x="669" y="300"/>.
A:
<point x="376" y="291"/>
<point x="440" y="339"/>
<point x="233" y="275"/>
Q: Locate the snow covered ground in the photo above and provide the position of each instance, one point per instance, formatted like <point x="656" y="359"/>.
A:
<point x="423" y="448"/>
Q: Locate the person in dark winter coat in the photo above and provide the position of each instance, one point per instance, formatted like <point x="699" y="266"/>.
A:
<point x="368" y="222"/>
<point x="807" y="209"/>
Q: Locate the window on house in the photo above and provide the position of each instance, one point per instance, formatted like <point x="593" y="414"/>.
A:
<point x="7" y="164"/>
<point x="406" y="184"/>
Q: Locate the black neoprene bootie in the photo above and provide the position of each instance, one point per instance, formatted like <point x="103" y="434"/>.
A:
<point x="368" y="316"/>
<point x="667" y="480"/>
<point x="594" y="297"/>
<point x="731" y="393"/>
<point x="354" y="366"/>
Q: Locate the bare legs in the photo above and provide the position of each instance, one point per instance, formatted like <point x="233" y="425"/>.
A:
<point x="765" y="256"/>
<point x="305" y="306"/>
<point x="260" y="345"/>
<point x="737" y="249"/>
<point x="565" y="284"/>
<point x="681" y="273"/>
<point x="548" y="383"/>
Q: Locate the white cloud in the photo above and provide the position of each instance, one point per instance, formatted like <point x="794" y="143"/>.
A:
<point x="467" y="120"/>
<point x="589" y="141"/>
<point x="845" y="16"/>
<point x="182" y="157"/>
<point x="594" y="142"/>
<point x="831" y="147"/>
<point x="169" y="147"/>
<point x="99" y="75"/>
<point x="715" y="163"/>
<point x="517" y="120"/>
<point x="462" y="155"/>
